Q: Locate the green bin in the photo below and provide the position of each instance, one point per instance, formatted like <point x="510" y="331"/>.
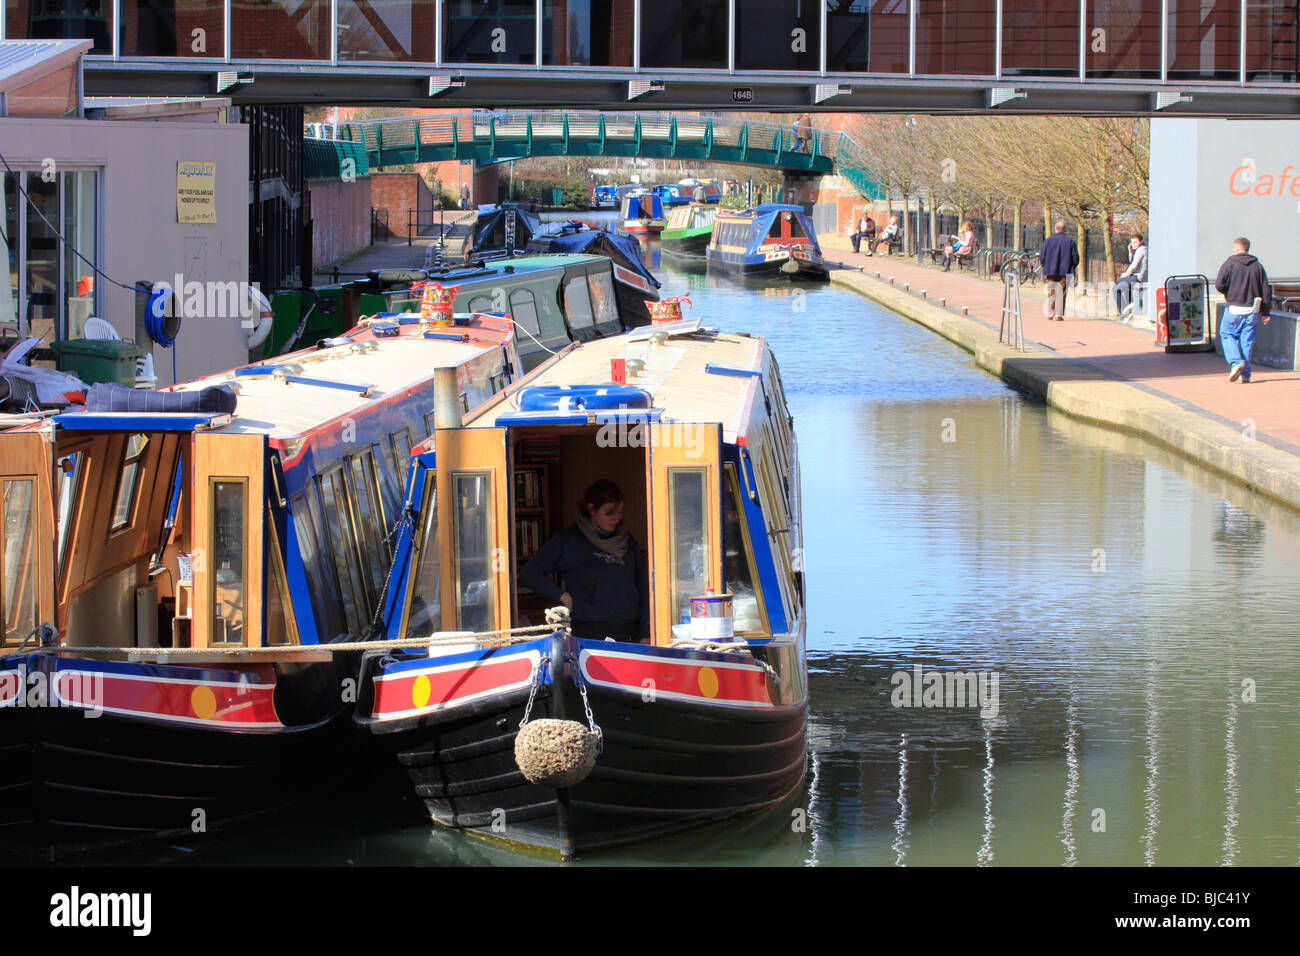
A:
<point x="99" y="360"/>
<point x="557" y="196"/>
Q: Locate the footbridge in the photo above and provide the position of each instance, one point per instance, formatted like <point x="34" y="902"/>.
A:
<point x="489" y="137"/>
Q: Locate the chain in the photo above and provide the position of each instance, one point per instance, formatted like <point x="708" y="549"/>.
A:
<point x="532" y="693"/>
<point x="591" y="720"/>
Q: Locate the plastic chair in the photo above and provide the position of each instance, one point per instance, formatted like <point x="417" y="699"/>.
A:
<point x="97" y="328"/>
<point x="144" y="374"/>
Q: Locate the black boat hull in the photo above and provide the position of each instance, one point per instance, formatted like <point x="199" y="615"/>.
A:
<point x="667" y="765"/>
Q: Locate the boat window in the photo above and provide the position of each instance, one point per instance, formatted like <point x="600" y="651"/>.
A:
<point x="280" y="625"/>
<point x="401" y="442"/>
<point x="472" y="512"/>
<point x="229" y="555"/>
<point x="689" y="539"/>
<point x="577" y="302"/>
<point x="124" y="501"/>
<point x="334" y="502"/>
<point x="602" y="297"/>
<point x="481" y="303"/>
<point x="738" y="575"/>
<point x="523" y="309"/>
<point x="71" y="467"/>
<point x="425" y="614"/>
<point x="370" y="533"/>
<point x="18" y="559"/>
<point x="320" y="578"/>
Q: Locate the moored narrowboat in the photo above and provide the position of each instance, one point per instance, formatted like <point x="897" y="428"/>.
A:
<point x="177" y="565"/>
<point x="688" y="230"/>
<point x="773" y="240"/>
<point x="494" y="229"/>
<point x="642" y="214"/>
<point x="635" y="284"/>
<point x="701" y="720"/>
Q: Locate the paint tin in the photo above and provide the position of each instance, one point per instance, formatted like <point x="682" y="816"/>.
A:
<point x="712" y="618"/>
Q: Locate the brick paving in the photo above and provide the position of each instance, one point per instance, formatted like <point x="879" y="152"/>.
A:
<point x="1199" y="379"/>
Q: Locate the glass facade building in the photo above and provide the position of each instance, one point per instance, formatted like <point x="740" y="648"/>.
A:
<point x="1182" y="41"/>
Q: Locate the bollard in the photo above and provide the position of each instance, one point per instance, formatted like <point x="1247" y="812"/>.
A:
<point x="877" y="275"/>
<point x="965" y="310"/>
<point x="907" y="287"/>
<point x="943" y="301"/>
<point x="891" y="280"/>
<point x="925" y="293"/>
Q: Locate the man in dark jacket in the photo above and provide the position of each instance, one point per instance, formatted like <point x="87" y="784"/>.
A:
<point x="1245" y="288"/>
<point x="1060" y="257"/>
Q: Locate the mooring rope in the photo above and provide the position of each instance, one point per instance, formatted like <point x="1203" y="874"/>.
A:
<point x="513" y="635"/>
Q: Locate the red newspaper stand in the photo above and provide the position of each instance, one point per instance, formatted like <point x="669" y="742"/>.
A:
<point x="1183" y="322"/>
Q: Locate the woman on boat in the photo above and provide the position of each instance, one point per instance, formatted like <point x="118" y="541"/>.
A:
<point x="601" y="567"/>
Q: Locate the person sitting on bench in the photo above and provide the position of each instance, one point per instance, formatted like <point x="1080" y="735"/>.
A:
<point x="963" y="247"/>
<point x="1134" y="276"/>
<point x="889" y="236"/>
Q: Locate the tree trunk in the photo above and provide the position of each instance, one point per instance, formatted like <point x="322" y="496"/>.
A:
<point x="1015" y="225"/>
<point x="988" y="221"/>
<point x="1047" y="219"/>
<point x="1110" y="250"/>
<point x="934" y="222"/>
<point x="1082" y="231"/>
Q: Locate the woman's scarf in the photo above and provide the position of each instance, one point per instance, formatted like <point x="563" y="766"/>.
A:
<point x="614" y="544"/>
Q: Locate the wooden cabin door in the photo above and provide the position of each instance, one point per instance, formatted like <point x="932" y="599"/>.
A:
<point x="683" y="486"/>
<point x="474" y="528"/>
<point x="228" y="539"/>
<point x="26" y="536"/>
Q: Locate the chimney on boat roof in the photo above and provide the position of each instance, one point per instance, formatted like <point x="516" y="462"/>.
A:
<point x="446" y="398"/>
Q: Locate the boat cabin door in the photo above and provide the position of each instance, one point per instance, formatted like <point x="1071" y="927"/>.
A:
<point x="26" y="536"/>
<point x="683" y="486"/>
<point x="473" y="528"/>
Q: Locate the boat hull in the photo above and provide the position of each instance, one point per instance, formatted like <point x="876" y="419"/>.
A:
<point x="668" y="763"/>
<point x="73" y="783"/>
<point x="758" y="267"/>
<point x="692" y="246"/>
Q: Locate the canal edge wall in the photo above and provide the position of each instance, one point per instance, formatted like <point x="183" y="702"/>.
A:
<point x="1093" y="395"/>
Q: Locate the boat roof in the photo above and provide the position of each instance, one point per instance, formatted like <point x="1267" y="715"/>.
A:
<point x="765" y="209"/>
<point x="701" y="377"/>
<point x="282" y="409"/>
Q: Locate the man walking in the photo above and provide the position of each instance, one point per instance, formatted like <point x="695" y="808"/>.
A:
<point x="1060" y="257"/>
<point x="1135" y="274"/>
<point x="1245" y="288"/>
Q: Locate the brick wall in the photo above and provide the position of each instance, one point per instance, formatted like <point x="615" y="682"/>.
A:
<point x="340" y="219"/>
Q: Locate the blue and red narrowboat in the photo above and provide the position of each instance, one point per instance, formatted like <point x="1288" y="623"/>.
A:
<point x="642" y="214"/>
<point x="176" y="565"/>
<point x="694" y="723"/>
<point x="773" y="240"/>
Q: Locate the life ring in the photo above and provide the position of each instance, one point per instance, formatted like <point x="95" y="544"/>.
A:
<point x="259" y="306"/>
<point x="592" y="398"/>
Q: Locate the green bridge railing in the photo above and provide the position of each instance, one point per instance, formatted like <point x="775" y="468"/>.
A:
<point x="491" y="137"/>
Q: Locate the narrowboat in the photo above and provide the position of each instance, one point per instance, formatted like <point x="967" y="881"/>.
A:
<point x="604" y="197"/>
<point x="642" y="214"/>
<point x="771" y="240"/>
<point x="177" y="564"/>
<point x="674" y="194"/>
<point x="689" y="729"/>
<point x="688" y="230"/>
<point x="494" y="229"/>
<point x="555" y="299"/>
<point x="634" y="282"/>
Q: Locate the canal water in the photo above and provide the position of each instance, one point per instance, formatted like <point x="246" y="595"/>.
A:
<point x="1137" y="613"/>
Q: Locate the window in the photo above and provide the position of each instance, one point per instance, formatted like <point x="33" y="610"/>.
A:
<point x="481" y="303"/>
<point x="489" y="31"/>
<point x="338" y="523"/>
<point x="689" y="539"/>
<point x="684" y="34"/>
<point x="604" y="303"/>
<point x="124" y="502"/>
<point x="587" y="32"/>
<point x="738" y="576"/>
<point x="386" y="30"/>
<point x="778" y="35"/>
<point x="71" y="467"/>
<point x="150" y="28"/>
<point x="401" y="442"/>
<point x="50" y="291"/>
<point x="424" y="613"/>
<point x="18" y="559"/>
<point x="577" y="302"/>
<point x="279" y="30"/>
<point x="370" y="530"/>
<point x="229" y="553"/>
<point x="320" y="577"/>
<point x="91" y="19"/>
<point x="523" y="309"/>
<point x="867" y="36"/>
<point x="472" y="515"/>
